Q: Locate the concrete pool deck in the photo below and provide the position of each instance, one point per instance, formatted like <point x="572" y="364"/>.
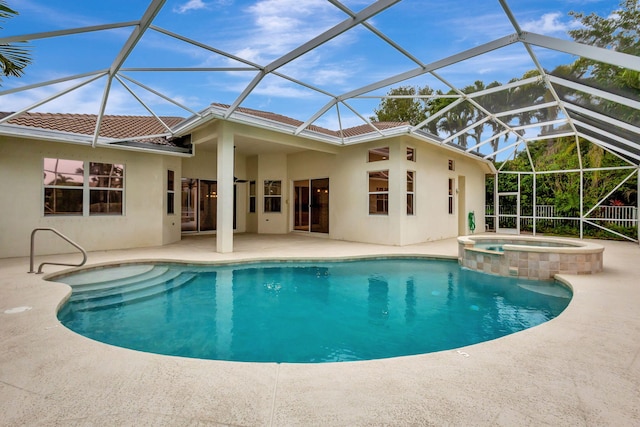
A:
<point x="582" y="368"/>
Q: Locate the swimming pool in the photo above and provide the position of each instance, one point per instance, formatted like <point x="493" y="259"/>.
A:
<point x="312" y="312"/>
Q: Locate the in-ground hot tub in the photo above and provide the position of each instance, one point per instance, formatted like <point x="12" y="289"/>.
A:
<point x="530" y="257"/>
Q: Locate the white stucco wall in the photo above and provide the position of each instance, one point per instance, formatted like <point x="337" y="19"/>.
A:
<point x="431" y="221"/>
<point x="144" y="223"/>
<point x="272" y="167"/>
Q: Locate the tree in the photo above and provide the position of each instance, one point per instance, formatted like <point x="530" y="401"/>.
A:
<point x="401" y="105"/>
<point x="619" y="31"/>
<point x="13" y="58"/>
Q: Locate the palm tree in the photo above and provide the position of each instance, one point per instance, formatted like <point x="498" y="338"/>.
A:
<point x="13" y="59"/>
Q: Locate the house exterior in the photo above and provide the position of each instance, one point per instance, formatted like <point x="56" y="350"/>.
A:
<point x="132" y="186"/>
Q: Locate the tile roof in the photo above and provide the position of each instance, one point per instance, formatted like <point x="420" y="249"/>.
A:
<point x="364" y="129"/>
<point x="278" y="118"/>
<point x="123" y="127"/>
<point x="118" y="127"/>
<point x="347" y="132"/>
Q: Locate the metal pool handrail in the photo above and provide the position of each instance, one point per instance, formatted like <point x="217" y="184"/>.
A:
<point x="77" y="246"/>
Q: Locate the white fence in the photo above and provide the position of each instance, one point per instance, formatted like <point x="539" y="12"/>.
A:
<point x="624" y="216"/>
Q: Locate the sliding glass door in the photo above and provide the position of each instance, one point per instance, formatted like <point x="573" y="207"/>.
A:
<point x="189" y="202"/>
<point x="200" y="205"/>
<point x="311" y="205"/>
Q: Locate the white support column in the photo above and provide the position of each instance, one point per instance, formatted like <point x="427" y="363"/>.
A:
<point x="224" y="225"/>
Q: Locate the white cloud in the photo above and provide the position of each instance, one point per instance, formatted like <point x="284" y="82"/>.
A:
<point x="282" y="25"/>
<point x="332" y="122"/>
<point x="479" y="28"/>
<point x="190" y="5"/>
<point x="281" y="89"/>
<point x="276" y="27"/>
<point x="84" y="100"/>
<point x="549" y="23"/>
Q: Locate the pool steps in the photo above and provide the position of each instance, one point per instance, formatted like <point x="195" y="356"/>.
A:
<point x="99" y="277"/>
<point x="147" y="283"/>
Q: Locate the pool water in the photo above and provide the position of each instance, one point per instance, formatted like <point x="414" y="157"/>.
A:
<point x="496" y="247"/>
<point x="304" y="311"/>
<point x="499" y="247"/>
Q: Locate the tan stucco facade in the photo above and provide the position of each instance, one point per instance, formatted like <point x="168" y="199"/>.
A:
<point x="144" y="222"/>
<point x="261" y="155"/>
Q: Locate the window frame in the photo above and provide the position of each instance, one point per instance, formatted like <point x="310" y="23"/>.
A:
<point x="373" y="154"/>
<point x="375" y="195"/>
<point x="171" y="192"/>
<point x="268" y="199"/>
<point x="411" y="154"/>
<point x="252" y="197"/>
<point x="87" y="187"/>
<point x="411" y="191"/>
<point x="451" y="196"/>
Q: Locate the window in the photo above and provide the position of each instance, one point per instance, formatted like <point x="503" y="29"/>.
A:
<point x="63" y="187"/>
<point x="106" y="188"/>
<point x="272" y="196"/>
<point x="411" y="154"/>
<point x="379" y="193"/>
<point x="379" y="154"/>
<point x="75" y="187"/>
<point x="410" y="192"/>
<point x="252" y="196"/>
<point x="452" y="165"/>
<point x="170" y="193"/>
<point x="452" y="186"/>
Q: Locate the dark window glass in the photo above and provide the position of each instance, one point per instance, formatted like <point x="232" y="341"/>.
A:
<point x="379" y="204"/>
<point x="170" y="180"/>
<point x="63" y="201"/>
<point x="410" y="192"/>
<point x="106" y="175"/>
<point x="105" y="202"/>
<point x="451" y="194"/>
<point x="170" y="192"/>
<point x="272" y="204"/>
<point x="379" y="154"/>
<point x="411" y="154"/>
<point x="273" y="196"/>
<point x="379" y="192"/>
<point x="171" y="203"/>
<point x="252" y="196"/>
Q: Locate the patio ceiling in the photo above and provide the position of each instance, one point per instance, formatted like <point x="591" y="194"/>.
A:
<point x="496" y="130"/>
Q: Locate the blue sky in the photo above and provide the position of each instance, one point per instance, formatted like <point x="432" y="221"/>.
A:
<point x="261" y="31"/>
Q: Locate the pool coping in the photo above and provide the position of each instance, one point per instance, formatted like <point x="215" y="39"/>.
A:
<point x="581" y="368"/>
<point x="58" y="274"/>
<point x="574" y="246"/>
